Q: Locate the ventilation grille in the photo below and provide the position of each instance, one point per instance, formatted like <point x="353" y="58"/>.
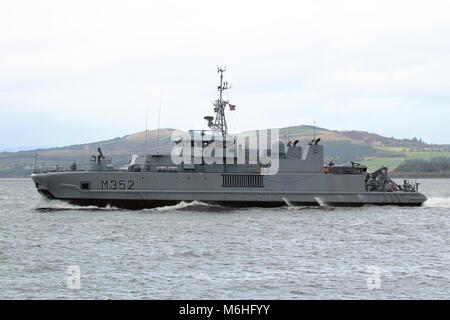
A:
<point x="233" y="180"/>
<point x="85" y="185"/>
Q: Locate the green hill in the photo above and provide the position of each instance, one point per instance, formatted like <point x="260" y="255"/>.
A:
<point x="435" y="167"/>
<point x="342" y="146"/>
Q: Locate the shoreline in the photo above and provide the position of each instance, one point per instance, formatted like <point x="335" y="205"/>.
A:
<point x="418" y="176"/>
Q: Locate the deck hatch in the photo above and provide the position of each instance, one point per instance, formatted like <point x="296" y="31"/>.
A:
<point x="234" y="180"/>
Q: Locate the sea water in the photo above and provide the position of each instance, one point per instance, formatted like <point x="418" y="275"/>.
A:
<point x="53" y="250"/>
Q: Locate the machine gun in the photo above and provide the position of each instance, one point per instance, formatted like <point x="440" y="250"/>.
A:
<point x="100" y="155"/>
<point x="100" y="162"/>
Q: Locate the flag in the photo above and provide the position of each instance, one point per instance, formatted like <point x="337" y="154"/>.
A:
<point x="232" y="107"/>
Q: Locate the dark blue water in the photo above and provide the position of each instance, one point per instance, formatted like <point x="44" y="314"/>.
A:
<point x="198" y="251"/>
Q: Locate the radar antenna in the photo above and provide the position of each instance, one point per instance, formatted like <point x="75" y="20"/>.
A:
<point x="219" y="123"/>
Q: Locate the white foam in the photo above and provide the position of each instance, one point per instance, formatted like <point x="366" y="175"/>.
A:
<point x="437" y="202"/>
<point x="178" y="206"/>
<point x="320" y="202"/>
<point x="46" y="204"/>
<point x="288" y="203"/>
<point x="290" y="206"/>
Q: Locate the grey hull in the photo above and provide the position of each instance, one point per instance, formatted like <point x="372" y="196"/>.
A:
<point x="150" y="190"/>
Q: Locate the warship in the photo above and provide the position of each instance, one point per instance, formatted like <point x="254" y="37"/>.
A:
<point x="214" y="167"/>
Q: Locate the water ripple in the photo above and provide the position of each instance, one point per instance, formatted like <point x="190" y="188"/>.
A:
<point x="197" y="250"/>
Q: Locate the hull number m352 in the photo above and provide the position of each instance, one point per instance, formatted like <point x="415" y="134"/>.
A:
<point x="117" y="184"/>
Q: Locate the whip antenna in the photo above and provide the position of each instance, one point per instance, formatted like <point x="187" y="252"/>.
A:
<point x="146" y="126"/>
<point x="35" y="163"/>
<point x="159" y="118"/>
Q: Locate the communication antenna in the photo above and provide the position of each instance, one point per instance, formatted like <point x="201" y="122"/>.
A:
<point x="219" y="125"/>
<point x="146" y="126"/>
<point x="314" y="130"/>
<point x="289" y="129"/>
<point x="159" y="118"/>
<point x="35" y="163"/>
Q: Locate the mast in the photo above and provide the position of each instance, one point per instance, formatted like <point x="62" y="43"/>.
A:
<point x="220" y="124"/>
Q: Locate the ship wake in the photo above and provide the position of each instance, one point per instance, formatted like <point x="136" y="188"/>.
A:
<point x="58" y="205"/>
<point x="321" y="205"/>
<point x="183" y="205"/>
<point x="437" y="202"/>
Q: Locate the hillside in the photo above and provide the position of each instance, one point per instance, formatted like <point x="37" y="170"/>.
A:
<point x="436" y="168"/>
<point x="342" y="146"/>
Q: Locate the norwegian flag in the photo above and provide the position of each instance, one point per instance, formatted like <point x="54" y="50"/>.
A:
<point x="232" y="107"/>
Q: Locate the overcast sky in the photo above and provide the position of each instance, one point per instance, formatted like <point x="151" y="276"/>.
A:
<point x="81" y="71"/>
